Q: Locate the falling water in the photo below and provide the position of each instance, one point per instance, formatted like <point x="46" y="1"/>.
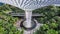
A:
<point x="28" y="16"/>
<point x="30" y="4"/>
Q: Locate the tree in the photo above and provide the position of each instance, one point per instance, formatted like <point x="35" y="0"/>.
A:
<point x="50" y="20"/>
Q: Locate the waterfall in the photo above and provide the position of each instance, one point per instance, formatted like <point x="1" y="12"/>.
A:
<point x="28" y="15"/>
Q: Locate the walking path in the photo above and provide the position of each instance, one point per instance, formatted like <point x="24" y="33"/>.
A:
<point x="30" y="31"/>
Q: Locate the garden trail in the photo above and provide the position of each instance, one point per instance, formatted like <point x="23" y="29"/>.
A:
<point x="32" y="31"/>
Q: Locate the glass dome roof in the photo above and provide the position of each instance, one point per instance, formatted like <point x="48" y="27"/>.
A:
<point x="30" y="4"/>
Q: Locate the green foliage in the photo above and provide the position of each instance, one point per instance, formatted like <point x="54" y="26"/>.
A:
<point x="51" y="31"/>
<point x="53" y="25"/>
<point x="8" y="8"/>
<point x="50" y="20"/>
<point x="45" y="26"/>
<point x="7" y="27"/>
<point x="49" y="13"/>
<point x="7" y="23"/>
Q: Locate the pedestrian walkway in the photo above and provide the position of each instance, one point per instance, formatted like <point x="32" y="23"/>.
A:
<point x="28" y="31"/>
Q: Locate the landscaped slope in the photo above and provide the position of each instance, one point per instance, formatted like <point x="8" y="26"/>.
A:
<point x="7" y="22"/>
<point x="50" y="20"/>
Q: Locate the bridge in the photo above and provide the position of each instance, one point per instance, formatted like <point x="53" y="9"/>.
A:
<point x="28" y="6"/>
<point x="23" y="14"/>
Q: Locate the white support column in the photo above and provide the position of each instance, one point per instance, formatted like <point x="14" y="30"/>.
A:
<point x="28" y="14"/>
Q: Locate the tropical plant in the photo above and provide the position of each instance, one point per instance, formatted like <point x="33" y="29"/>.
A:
<point x="7" y="22"/>
<point x="50" y="20"/>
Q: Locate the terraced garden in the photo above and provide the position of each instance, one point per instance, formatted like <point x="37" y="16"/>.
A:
<point x="50" y="20"/>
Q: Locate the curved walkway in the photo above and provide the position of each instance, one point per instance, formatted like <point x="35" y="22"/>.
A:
<point x="30" y="31"/>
